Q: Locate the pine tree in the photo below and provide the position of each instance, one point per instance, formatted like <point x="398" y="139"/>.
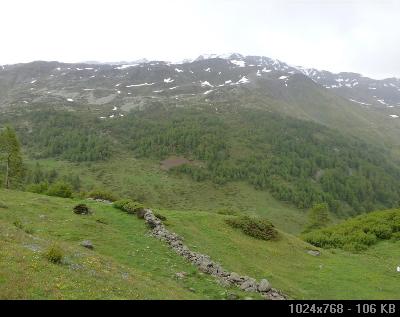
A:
<point x="10" y="156"/>
<point x="318" y="217"/>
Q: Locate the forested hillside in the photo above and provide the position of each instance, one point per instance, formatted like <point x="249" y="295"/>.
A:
<point x="297" y="161"/>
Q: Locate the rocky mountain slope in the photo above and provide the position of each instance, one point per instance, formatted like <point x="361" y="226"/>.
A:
<point x="346" y="100"/>
<point x="203" y="75"/>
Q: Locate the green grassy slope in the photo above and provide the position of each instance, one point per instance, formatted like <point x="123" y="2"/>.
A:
<point x="335" y="274"/>
<point x="126" y="263"/>
<point x="145" y="181"/>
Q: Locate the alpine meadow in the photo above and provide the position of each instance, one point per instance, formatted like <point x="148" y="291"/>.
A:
<point x="222" y="177"/>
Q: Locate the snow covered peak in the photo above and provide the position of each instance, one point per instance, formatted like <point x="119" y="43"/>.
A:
<point x="223" y="56"/>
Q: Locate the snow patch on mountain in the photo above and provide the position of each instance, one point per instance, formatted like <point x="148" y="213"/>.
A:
<point x="238" y="63"/>
<point x="243" y="80"/>
<point x="360" y="102"/>
<point x="126" y="66"/>
<point x="139" y="85"/>
<point x="206" y="83"/>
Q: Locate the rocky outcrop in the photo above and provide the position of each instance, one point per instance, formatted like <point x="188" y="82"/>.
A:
<point x="205" y="264"/>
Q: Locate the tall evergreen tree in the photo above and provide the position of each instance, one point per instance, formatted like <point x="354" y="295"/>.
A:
<point x="318" y="217"/>
<point x="10" y="156"/>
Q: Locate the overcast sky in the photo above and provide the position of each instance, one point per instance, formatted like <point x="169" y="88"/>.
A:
<point x="336" y="35"/>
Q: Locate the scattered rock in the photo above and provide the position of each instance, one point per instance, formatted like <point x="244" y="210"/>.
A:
<point x="314" y="252"/>
<point x="234" y="277"/>
<point x="180" y="275"/>
<point x="87" y="244"/>
<point x="264" y="286"/>
<point x="249" y="285"/>
<point x="82" y="209"/>
<point x="75" y="266"/>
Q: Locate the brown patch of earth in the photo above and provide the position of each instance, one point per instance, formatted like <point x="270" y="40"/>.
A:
<point x="174" y="161"/>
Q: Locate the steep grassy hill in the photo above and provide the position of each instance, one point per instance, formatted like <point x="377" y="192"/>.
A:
<point x="335" y="274"/>
<point x="127" y="263"/>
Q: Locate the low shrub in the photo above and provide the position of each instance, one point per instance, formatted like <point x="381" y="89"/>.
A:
<point x="40" y="188"/>
<point x="159" y="216"/>
<point x="396" y="236"/>
<point x="323" y="239"/>
<point x="361" y="237"/>
<point x="60" y="189"/>
<point x="82" y="209"/>
<point x="3" y="205"/>
<point x="102" y="194"/>
<point x="129" y="206"/>
<point x="132" y="207"/>
<point x="54" y="254"/>
<point x="354" y="247"/>
<point x="357" y="234"/>
<point x="382" y="231"/>
<point x="255" y="227"/>
<point x="119" y="204"/>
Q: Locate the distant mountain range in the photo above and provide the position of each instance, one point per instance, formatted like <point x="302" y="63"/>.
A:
<point x="345" y="100"/>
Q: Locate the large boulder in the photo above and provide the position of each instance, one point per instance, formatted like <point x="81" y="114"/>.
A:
<point x="234" y="277"/>
<point x="264" y="286"/>
<point x="314" y="252"/>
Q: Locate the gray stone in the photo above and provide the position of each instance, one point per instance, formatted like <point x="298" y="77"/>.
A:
<point x="234" y="277"/>
<point x="180" y="275"/>
<point x="264" y="286"/>
<point x="87" y="244"/>
<point x="249" y="285"/>
<point x="314" y="252"/>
